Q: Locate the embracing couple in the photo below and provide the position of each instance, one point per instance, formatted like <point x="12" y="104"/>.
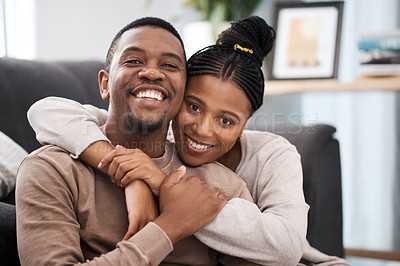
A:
<point x="113" y="190"/>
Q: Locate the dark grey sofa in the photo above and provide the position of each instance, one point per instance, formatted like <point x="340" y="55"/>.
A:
<point x="24" y="82"/>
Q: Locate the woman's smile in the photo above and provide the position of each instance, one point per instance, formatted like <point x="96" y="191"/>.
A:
<point x="197" y="146"/>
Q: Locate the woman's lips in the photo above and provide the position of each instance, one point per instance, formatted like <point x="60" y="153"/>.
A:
<point x="197" y="146"/>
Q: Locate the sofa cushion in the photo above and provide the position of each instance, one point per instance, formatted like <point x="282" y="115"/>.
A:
<point x="11" y="155"/>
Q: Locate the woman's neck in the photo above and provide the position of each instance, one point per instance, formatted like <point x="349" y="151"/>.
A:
<point x="232" y="158"/>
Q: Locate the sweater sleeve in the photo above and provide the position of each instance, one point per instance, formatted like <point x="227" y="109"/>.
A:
<point x="272" y="231"/>
<point x="48" y="230"/>
<point x="67" y="123"/>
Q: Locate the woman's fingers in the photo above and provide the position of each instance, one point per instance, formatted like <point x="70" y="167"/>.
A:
<point x="118" y="151"/>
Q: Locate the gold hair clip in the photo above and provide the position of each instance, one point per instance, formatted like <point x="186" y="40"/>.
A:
<point x="244" y="49"/>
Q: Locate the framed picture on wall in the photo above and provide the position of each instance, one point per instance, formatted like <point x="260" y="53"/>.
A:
<point x="307" y="40"/>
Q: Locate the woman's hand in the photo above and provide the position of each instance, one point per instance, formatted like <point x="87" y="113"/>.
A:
<point x="126" y="165"/>
<point x="140" y="205"/>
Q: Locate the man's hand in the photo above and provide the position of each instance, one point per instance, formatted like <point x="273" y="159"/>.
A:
<point x="188" y="206"/>
<point x="141" y="206"/>
<point x="126" y="165"/>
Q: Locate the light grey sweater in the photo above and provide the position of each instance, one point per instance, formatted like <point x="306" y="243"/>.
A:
<point x="270" y="232"/>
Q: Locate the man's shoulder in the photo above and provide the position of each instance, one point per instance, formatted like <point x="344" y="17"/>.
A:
<point x="50" y="155"/>
<point x="52" y="166"/>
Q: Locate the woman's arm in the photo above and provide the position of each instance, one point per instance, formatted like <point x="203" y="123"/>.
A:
<point x="272" y="231"/>
<point x="67" y="124"/>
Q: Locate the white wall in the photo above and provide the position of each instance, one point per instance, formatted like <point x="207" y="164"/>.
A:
<point x="83" y="29"/>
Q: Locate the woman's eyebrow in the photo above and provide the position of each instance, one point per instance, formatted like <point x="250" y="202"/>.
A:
<point x="195" y="98"/>
<point x="231" y="113"/>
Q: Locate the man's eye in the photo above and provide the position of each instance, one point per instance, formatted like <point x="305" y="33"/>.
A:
<point x="170" y="66"/>
<point x="133" y="62"/>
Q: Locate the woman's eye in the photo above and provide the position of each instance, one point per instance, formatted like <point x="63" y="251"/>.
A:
<point x="195" y="107"/>
<point x="226" y="121"/>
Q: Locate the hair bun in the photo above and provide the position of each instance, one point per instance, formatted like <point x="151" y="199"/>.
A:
<point x="250" y="32"/>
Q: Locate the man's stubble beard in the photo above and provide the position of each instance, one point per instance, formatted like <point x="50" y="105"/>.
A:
<point x="142" y="126"/>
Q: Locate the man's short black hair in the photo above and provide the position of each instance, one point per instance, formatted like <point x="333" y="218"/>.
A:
<point x="146" y="21"/>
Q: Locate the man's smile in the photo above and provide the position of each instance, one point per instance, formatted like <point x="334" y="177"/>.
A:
<point x="150" y="94"/>
<point x="150" y="91"/>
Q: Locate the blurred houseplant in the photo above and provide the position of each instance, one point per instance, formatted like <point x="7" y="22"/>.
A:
<point x="223" y="10"/>
<point x="216" y="16"/>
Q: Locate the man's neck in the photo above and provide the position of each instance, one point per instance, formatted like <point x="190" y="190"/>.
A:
<point x="153" y="144"/>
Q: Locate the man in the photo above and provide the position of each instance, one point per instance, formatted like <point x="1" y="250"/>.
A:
<point x="68" y="213"/>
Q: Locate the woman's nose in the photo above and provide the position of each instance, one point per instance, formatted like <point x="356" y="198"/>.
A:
<point x="203" y="127"/>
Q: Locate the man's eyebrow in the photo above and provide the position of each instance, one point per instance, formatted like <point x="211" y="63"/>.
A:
<point x="133" y="49"/>
<point x="174" y="55"/>
<point x="140" y="50"/>
<point x="203" y="103"/>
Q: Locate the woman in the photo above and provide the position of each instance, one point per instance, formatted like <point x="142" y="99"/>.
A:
<point x="225" y="87"/>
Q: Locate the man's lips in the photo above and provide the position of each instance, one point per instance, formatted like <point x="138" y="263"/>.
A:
<point x="150" y="92"/>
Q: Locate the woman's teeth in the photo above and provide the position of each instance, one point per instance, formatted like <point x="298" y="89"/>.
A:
<point x="149" y="94"/>
<point x="197" y="145"/>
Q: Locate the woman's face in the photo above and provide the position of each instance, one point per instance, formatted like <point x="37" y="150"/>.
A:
<point x="211" y="119"/>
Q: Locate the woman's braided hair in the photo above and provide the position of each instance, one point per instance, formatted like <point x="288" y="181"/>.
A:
<point x="237" y="56"/>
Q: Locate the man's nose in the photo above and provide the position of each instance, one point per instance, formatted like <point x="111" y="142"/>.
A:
<point x="151" y="73"/>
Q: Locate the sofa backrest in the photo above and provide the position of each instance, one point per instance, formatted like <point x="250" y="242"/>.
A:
<point x="320" y="159"/>
<point x="23" y="82"/>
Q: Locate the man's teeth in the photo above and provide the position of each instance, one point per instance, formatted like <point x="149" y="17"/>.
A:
<point x="149" y="94"/>
<point x="197" y="145"/>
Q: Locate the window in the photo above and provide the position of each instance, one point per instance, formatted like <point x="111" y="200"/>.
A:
<point x="17" y="28"/>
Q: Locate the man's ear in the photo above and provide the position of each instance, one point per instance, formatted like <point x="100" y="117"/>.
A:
<point x="103" y="84"/>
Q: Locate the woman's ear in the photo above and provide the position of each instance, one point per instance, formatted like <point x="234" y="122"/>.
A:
<point x="103" y="84"/>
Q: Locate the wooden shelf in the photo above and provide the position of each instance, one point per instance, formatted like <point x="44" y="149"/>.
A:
<point x="373" y="254"/>
<point x="279" y="87"/>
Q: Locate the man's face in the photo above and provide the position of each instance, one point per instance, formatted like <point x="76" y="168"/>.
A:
<point x="146" y="81"/>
